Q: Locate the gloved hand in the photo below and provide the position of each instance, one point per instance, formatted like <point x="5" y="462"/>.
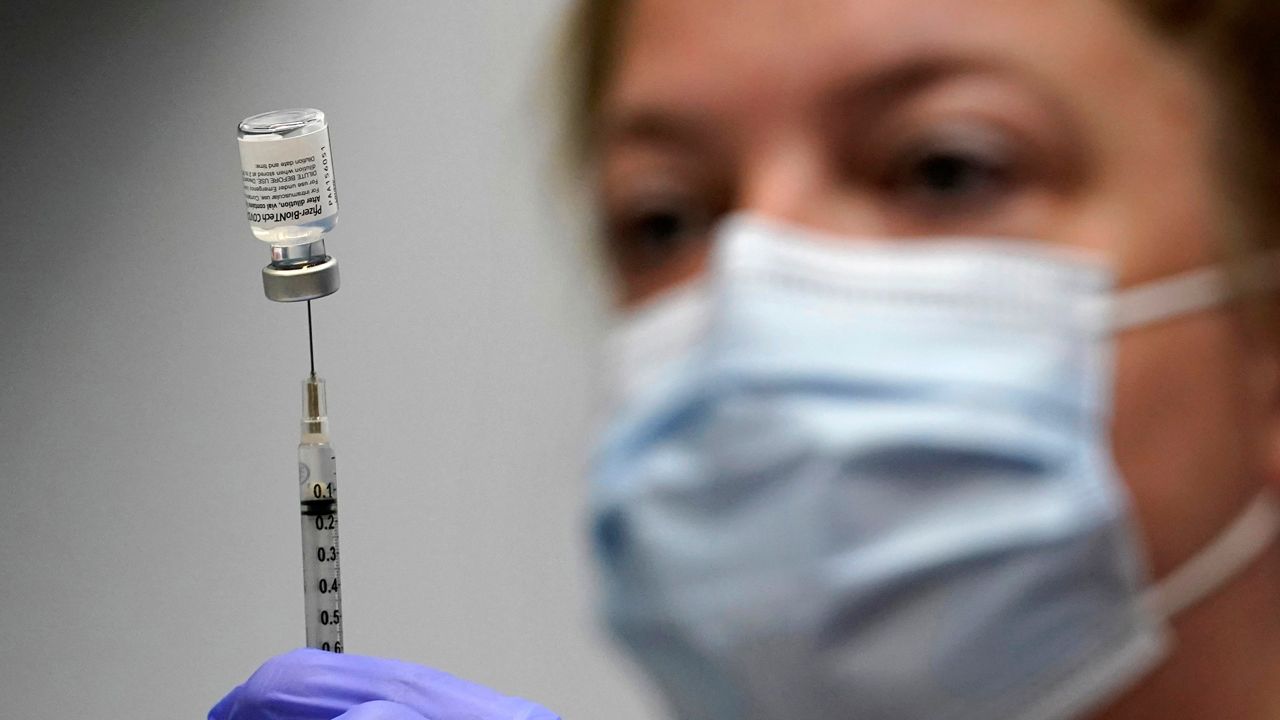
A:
<point x="316" y="685"/>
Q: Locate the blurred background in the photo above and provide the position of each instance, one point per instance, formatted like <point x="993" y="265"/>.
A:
<point x="150" y="394"/>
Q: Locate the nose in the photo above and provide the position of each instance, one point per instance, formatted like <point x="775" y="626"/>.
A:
<point x="792" y="181"/>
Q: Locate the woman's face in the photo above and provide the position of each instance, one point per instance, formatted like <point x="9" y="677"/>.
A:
<point x="1061" y="121"/>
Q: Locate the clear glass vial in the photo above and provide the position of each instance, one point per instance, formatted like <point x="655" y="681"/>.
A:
<point x="291" y="199"/>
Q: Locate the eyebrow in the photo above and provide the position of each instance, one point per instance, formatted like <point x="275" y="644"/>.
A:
<point x="868" y="93"/>
<point x="655" y="124"/>
<point x="880" y="89"/>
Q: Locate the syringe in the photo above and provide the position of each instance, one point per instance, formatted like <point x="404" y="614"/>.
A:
<point x="318" y="486"/>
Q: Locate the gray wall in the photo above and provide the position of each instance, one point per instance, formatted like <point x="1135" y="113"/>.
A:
<point x="149" y="393"/>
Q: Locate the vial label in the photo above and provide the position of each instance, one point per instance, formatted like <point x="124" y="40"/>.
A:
<point x="288" y="181"/>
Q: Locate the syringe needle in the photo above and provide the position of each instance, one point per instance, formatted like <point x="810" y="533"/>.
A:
<point x="311" y="344"/>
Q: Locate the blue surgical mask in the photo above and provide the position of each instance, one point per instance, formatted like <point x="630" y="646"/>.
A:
<point x="873" y="480"/>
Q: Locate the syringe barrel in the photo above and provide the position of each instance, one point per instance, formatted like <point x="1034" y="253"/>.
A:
<point x="318" y="494"/>
<point x="321" y="576"/>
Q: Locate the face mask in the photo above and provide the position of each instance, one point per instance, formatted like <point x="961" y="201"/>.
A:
<point x="871" y="481"/>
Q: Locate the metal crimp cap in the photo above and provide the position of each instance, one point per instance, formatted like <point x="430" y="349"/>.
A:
<point x="307" y="282"/>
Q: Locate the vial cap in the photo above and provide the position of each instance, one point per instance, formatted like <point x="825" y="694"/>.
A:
<point x="308" y="282"/>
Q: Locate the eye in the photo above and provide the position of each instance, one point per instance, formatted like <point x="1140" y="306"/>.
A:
<point x="650" y="235"/>
<point x="952" y="175"/>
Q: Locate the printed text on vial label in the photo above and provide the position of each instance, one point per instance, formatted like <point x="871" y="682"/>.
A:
<point x="284" y="191"/>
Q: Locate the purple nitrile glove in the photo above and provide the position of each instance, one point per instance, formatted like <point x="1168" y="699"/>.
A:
<point x="316" y="685"/>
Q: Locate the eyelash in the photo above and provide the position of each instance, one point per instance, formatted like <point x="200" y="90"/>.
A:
<point x="650" y="233"/>
<point x="954" y="175"/>
<point x="949" y="177"/>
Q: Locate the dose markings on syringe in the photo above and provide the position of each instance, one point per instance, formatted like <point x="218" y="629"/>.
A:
<point x="321" y="577"/>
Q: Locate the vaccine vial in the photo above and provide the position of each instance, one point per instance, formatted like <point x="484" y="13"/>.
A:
<point x="291" y="199"/>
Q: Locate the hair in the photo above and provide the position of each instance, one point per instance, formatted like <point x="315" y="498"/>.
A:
<point x="1238" y="44"/>
<point x="1236" y="41"/>
<point x="590" y="45"/>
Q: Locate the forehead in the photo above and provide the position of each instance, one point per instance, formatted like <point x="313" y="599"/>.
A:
<point x="761" y="53"/>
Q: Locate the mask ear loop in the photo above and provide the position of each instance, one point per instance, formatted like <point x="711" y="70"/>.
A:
<point x="1171" y="297"/>
<point x="1188" y="292"/>
<point x="1226" y="556"/>
<point x="1258" y="526"/>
